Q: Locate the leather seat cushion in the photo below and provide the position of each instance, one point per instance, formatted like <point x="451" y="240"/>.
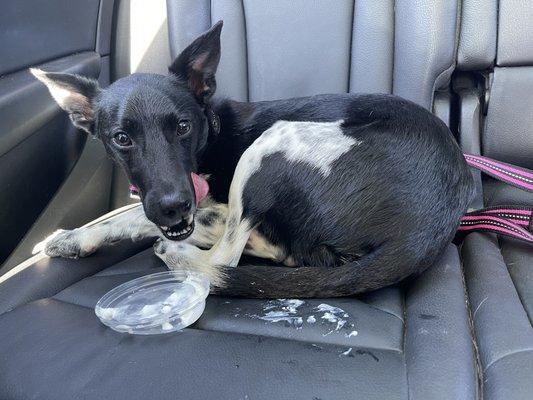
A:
<point x="56" y="348"/>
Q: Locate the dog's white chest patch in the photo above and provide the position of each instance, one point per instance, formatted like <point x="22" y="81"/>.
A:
<point x="318" y="144"/>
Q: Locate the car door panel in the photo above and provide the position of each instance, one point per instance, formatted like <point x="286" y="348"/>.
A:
<point x="39" y="148"/>
<point x="26" y="104"/>
<point x="36" y="31"/>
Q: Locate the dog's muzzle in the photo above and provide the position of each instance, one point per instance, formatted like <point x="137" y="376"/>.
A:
<point x="185" y="227"/>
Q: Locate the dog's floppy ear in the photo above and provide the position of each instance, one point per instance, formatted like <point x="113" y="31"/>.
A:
<point x="74" y="94"/>
<point x="198" y="63"/>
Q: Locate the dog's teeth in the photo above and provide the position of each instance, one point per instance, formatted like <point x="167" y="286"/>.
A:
<point x="165" y="228"/>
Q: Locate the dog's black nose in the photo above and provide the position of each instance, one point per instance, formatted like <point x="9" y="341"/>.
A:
<point x="173" y="205"/>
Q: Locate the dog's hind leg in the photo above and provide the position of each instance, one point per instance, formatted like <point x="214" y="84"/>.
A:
<point x="81" y="242"/>
<point x="259" y="246"/>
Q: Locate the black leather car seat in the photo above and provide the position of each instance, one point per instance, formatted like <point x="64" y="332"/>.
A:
<point x="413" y="342"/>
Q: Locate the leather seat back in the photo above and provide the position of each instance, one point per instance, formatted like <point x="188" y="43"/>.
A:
<point x="508" y="134"/>
<point x="496" y="38"/>
<point x="274" y="49"/>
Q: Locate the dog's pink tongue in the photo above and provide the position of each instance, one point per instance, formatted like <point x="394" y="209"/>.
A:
<point x="201" y="187"/>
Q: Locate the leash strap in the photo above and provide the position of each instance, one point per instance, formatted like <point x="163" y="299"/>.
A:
<point x="513" y="221"/>
<point x="511" y="174"/>
<point x="508" y="221"/>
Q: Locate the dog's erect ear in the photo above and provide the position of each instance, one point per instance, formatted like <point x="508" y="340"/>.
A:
<point x="74" y="94"/>
<point x="198" y="63"/>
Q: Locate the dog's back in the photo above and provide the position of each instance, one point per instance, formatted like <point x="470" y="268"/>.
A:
<point x="375" y="196"/>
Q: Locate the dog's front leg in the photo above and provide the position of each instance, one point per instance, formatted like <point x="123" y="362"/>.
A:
<point x="81" y="242"/>
<point x="225" y="235"/>
<point x="225" y="253"/>
<point x="227" y="250"/>
<point x="210" y="227"/>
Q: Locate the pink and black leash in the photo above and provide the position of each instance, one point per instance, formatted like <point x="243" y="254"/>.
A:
<point x="513" y="221"/>
<point x="511" y="174"/>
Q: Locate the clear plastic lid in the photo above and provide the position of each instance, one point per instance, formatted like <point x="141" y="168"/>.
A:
<point x="158" y="303"/>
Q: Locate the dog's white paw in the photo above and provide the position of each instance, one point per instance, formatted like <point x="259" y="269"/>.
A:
<point x="160" y="248"/>
<point x="176" y="255"/>
<point x="179" y="255"/>
<point x="65" y="244"/>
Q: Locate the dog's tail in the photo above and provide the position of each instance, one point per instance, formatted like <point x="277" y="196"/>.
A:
<point x="262" y="281"/>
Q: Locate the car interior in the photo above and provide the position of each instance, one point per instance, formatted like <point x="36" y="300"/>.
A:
<point x="461" y="330"/>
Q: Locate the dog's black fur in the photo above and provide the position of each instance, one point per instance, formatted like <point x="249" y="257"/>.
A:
<point x="386" y="212"/>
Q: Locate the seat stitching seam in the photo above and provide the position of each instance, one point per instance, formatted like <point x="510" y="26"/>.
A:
<point x="519" y="295"/>
<point x="350" y="49"/>
<point x="246" y="49"/>
<point x="471" y="332"/>
<point x="511" y="353"/>
<point x="383" y="310"/>
<point x="451" y="67"/>
<point x="65" y="302"/>
<point x="404" y="340"/>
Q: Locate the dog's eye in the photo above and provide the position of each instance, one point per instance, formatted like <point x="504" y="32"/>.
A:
<point x="184" y="126"/>
<point x="121" y="139"/>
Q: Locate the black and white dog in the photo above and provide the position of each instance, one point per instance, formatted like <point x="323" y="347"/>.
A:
<point x="350" y="192"/>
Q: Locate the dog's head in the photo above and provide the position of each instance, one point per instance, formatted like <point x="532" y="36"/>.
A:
<point x="154" y="126"/>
